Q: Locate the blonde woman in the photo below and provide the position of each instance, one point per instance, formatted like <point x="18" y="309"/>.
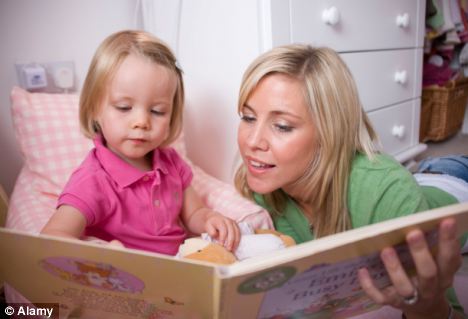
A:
<point x="309" y="158"/>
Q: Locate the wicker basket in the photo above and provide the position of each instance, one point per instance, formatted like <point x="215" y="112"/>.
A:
<point x="443" y="110"/>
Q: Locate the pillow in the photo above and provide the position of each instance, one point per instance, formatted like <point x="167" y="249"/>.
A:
<point x="48" y="131"/>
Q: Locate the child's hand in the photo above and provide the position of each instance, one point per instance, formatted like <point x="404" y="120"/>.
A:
<point x="224" y="229"/>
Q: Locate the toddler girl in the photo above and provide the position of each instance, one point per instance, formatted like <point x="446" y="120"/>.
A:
<point x="132" y="188"/>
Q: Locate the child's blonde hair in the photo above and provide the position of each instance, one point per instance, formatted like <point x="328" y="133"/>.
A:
<point x="108" y="57"/>
<point x="342" y="127"/>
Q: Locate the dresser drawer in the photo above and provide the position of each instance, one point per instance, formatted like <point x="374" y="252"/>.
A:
<point x="386" y="77"/>
<point x="397" y="126"/>
<point x="354" y="25"/>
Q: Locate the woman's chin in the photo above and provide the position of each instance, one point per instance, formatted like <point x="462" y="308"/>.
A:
<point x="260" y="187"/>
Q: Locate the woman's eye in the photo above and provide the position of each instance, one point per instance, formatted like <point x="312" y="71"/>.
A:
<point x="284" y="128"/>
<point x="247" y="118"/>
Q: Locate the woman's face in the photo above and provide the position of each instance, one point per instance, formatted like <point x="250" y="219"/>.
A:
<point x="276" y="135"/>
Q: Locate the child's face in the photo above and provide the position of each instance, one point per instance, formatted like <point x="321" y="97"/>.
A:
<point x="135" y="115"/>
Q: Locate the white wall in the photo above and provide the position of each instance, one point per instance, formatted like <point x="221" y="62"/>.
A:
<point x="54" y="30"/>
<point x="217" y="40"/>
<point x="44" y="31"/>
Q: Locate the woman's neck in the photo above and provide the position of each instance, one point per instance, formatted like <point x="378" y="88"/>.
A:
<point x="305" y="206"/>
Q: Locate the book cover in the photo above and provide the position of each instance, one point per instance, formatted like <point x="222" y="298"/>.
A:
<point x="312" y="280"/>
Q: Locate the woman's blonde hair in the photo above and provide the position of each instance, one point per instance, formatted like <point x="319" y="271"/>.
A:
<point x="342" y="129"/>
<point x="108" y="57"/>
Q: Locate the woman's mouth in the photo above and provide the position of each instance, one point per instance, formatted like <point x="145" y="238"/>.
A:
<point x="257" y="167"/>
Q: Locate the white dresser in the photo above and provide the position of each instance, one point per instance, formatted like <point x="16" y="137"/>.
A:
<point x="381" y="41"/>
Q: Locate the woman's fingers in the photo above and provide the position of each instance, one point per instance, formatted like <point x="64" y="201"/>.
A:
<point x="386" y="296"/>
<point x="449" y="257"/>
<point x="367" y="284"/>
<point x="403" y="285"/>
<point x="426" y="267"/>
<point x="424" y="292"/>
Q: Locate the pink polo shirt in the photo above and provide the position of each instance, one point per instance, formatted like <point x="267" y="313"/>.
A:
<point x="140" y="209"/>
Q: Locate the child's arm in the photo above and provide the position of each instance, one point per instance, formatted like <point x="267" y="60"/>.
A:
<point x="67" y="221"/>
<point x="198" y="219"/>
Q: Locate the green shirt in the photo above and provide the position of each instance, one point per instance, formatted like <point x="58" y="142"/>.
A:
<point x="377" y="190"/>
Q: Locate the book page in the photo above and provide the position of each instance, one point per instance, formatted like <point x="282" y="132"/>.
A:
<point x="93" y="281"/>
<point x="318" y="279"/>
<point x="327" y="290"/>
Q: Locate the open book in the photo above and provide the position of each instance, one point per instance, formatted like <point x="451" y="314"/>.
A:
<point x="315" y="280"/>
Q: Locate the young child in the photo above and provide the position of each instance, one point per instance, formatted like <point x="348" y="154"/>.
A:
<point x="132" y="188"/>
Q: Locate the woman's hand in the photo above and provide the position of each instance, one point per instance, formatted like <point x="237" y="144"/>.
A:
<point x="425" y="292"/>
<point x="223" y="229"/>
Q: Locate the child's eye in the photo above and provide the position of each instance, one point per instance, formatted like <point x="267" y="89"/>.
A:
<point x="123" y="108"/>
<point x="284" y="128"/>
<point x="158" y="112"/>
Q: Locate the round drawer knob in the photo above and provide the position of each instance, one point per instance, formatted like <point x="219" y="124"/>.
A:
<point x="402" y="20"/>
<point x="401" y="77"/>
<point x="398" y="131"/>
<point x="331" y="16"/>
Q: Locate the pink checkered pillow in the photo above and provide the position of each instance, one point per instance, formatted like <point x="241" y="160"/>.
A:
<point x="48" y="132"/>
<point x="47" y="129"/>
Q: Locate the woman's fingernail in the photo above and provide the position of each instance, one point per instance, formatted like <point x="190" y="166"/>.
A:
<point x="416" y="239"/>
<point x="450" y="228"/>
<point x="388" y="254"/>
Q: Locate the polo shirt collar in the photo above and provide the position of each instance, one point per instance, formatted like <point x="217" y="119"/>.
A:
<point x="123" y="173"/>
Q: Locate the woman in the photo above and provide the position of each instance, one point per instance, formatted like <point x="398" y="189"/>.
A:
<point x="309" y="159"/>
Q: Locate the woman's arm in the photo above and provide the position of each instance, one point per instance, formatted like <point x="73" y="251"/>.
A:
<point x="67" y="221"/>
<point x="434" y="275"/>
<point x="198" y="219"/>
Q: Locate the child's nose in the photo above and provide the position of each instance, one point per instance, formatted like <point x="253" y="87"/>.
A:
<point x="142" y="120"/>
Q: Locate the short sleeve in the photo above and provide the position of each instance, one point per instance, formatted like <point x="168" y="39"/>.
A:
<point x="181" y="167"/>
<point x="84" y="191"/>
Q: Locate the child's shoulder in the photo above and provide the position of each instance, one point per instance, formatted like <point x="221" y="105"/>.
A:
<point x="170" y="160"/>
<point x="89" y="169"/>
<point x="169" y="154"/>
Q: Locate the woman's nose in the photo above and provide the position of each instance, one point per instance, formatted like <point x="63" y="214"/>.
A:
<point x="257" y="138"/>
